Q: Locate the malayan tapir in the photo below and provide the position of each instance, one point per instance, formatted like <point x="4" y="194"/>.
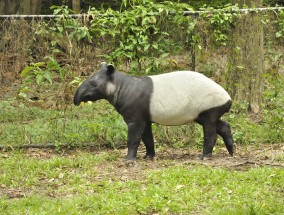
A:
<point x="174" y="98"/>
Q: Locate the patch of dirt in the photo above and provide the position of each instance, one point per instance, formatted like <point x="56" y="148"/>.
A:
<point x="247" y="157"/>
<point x="11" y="193"/>
<point x="7" y="92"/>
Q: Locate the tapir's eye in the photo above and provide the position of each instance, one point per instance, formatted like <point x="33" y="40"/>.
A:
<point x="93" y="84"/>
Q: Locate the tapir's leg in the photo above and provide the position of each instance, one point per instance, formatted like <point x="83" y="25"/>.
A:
<point x="210" y="136"/>
<point x="135" y="131"/>
<point x="148" y="140"/>
<point x="224" y="130"/>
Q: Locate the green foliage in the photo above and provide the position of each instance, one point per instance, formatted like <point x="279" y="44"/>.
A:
<point x="43" y="72"/>
<point x="35" y="72"/>
<point x="274" y="105"/>
<point x="67" y="25"/>
<point x="137" y="32"/>
<point x="221" y="21"/>
<point x="108" y="128"/>
<point x="267" y="126"/>
<point x="280" y="32"/>
<point x="98" y="124"/>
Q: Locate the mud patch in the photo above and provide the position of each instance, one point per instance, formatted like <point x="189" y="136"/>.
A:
<point x="11" y="193"/>
<point x="247" y="157"/>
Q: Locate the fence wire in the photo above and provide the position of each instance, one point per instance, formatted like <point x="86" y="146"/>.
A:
<point x="191" y="13"/>
<point x="24" y="39"/>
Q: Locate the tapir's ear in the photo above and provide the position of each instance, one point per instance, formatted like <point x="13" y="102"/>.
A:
<point x="110" y="70"/>
<point x="103" y="65"/>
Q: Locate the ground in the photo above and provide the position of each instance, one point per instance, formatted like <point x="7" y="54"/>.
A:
<point x="247" y="157"/>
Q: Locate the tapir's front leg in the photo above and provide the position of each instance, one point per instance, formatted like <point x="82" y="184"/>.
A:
<point x="148" y="140"/>
<point x="135" y="130"/>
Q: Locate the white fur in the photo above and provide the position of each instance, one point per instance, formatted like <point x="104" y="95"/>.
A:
<point x="110" y="88"/>
<point x="179" y="97"/>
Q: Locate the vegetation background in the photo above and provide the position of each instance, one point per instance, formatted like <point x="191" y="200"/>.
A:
<point x="44" y="60"/>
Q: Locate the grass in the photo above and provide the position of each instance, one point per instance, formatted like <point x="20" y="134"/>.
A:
<point x="32" y="125"/>
<point x="86" y="183"/>
<point x="102" y="125"/>
<point x="83" y="182"/>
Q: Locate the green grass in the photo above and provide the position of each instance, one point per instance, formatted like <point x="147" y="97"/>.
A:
<point x="88" y="124"/>
<point x="97" y="183"/>
<point x="100" y="124"/>
<point x="77" y="184"/>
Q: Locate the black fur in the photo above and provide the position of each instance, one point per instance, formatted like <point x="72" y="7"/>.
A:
<point x="212" y="125"/>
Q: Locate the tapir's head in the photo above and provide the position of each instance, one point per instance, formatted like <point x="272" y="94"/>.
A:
<point x="98" y="86"/>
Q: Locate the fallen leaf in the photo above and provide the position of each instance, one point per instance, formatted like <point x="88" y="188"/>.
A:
<point x="178" y="187"/>
<point x="61" y="175"/>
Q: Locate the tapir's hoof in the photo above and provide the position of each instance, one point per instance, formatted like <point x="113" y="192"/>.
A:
<point x="234" y="150"/>
<point x="126" y="163"/>
<point x="130" y="163"/>
<point x="130" y="158"/>
<point x="149" y="157"/>
<point x="206" y="156"/>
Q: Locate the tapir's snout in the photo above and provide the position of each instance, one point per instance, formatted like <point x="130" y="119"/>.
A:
<point x="86" y="92"/>
<point x="80" y="94"/>
<point x="77" y="98"/>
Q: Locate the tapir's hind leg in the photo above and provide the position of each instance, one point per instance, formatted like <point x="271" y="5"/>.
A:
<point x="148" y="140"/>
<point x="210" y="120"/>
<point x="210" y="136"/>
<point x="224" y="130"/>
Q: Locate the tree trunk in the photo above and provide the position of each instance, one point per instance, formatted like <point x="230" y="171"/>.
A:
<point x="246" y="58"/>
<point x="2" y="7"/>
<point x="76" y="6"/>
<point x="20" y="7"/>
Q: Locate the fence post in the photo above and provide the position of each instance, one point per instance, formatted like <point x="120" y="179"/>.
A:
<point x="246" y="58"/>
<point x="193" y="52"/>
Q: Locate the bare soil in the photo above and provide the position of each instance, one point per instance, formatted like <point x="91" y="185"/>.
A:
<point x="269" y="155"/>
<point x="246" y="157"/>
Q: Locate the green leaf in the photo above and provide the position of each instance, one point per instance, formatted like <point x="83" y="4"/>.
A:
<point x="56" y="51"/>
<point x="60" y="28"/>
<point x="155" y="46"/>
<point x="56" y="11"/>
<point x="38" y="64"/>
<point x="48" y="77"/>
<point x="52" y="64"/>
<point x="39" y="79"/>
<point x="26" y="70"/>
<point x="164" y="55"/>
<point x="278" y="34"/>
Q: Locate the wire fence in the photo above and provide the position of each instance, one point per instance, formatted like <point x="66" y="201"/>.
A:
<point x="25" y="39"/>
<point x="186" y="13"/>
<point x="191" y="13"/>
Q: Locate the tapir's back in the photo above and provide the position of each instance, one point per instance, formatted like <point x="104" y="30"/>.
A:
<point x="179" y="97"/>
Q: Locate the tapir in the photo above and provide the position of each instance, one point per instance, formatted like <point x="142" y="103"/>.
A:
<point x="174" y="98"/>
